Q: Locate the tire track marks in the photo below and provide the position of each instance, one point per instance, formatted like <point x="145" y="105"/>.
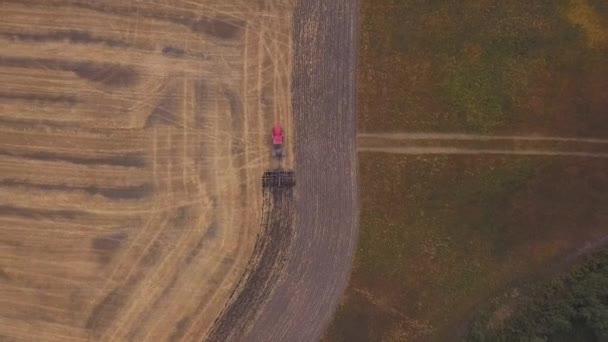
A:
<point x="478" y="137"/>
<point x="455" y="150"/>
<point x="474" y="144"/>
<point x="264" y="269"/>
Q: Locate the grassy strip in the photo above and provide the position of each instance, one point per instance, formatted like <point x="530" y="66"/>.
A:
<point x="573" y="307"/>
<point x="439" y="235"/>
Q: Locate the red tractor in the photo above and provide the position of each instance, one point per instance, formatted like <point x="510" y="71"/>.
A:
<point x="278" y="177"/>
<point x="277" y="141"/>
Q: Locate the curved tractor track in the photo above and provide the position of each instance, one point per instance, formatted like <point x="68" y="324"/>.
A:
<point x="300" y="287"/>
<point x="261" y="276"/>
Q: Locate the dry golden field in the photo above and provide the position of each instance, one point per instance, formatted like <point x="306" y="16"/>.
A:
<point x="133" y="135"/>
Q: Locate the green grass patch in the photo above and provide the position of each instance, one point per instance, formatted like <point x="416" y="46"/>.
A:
<point x="571" y="307"/>
<point x="491" y="66"/>
<point x="439" y="235"/>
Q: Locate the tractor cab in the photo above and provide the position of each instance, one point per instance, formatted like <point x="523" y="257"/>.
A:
<point x="278" y="177"/>
<point x="277" y="141"/>
<point x="277" y="135"/>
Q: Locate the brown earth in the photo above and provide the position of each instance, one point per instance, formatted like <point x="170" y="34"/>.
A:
<point x="132" y="140"/>
<point x="264" y="267"/>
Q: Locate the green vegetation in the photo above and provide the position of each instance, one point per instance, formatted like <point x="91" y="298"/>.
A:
<point x="440" y="235"/>
<point x="484" y="66"/>
<point x="573" y="307"/>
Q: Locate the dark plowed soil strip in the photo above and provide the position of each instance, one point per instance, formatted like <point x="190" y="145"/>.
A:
<point x="116" y="193"/>
<point x="35" y="98"/>
<point x="264" y="268"/>
<point x="37" y="124"/>
<point x="226" y="28"/>
<point x="72" y="36"/>
<point x="126" y="160"/>
<point x="40" y="214"/>
<point x="109" y="74"/>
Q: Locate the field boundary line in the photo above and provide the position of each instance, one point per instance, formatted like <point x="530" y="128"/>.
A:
<point x="480" y="137"/>
<point x="464" y="151"/>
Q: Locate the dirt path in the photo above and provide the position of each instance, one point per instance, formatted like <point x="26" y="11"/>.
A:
<point x="298" y="298"/>
<point x="478" y="137"/>
<point x="454" y="150"/>
<point x="472" y="144"/>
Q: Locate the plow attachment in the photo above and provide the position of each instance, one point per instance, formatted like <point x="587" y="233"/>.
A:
<point x="278" y="179"/>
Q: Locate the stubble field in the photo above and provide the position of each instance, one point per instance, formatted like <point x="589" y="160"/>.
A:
<point x="132" y="140"/>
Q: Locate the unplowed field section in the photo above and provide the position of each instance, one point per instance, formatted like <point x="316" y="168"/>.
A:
<point x="133" y="135"/>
